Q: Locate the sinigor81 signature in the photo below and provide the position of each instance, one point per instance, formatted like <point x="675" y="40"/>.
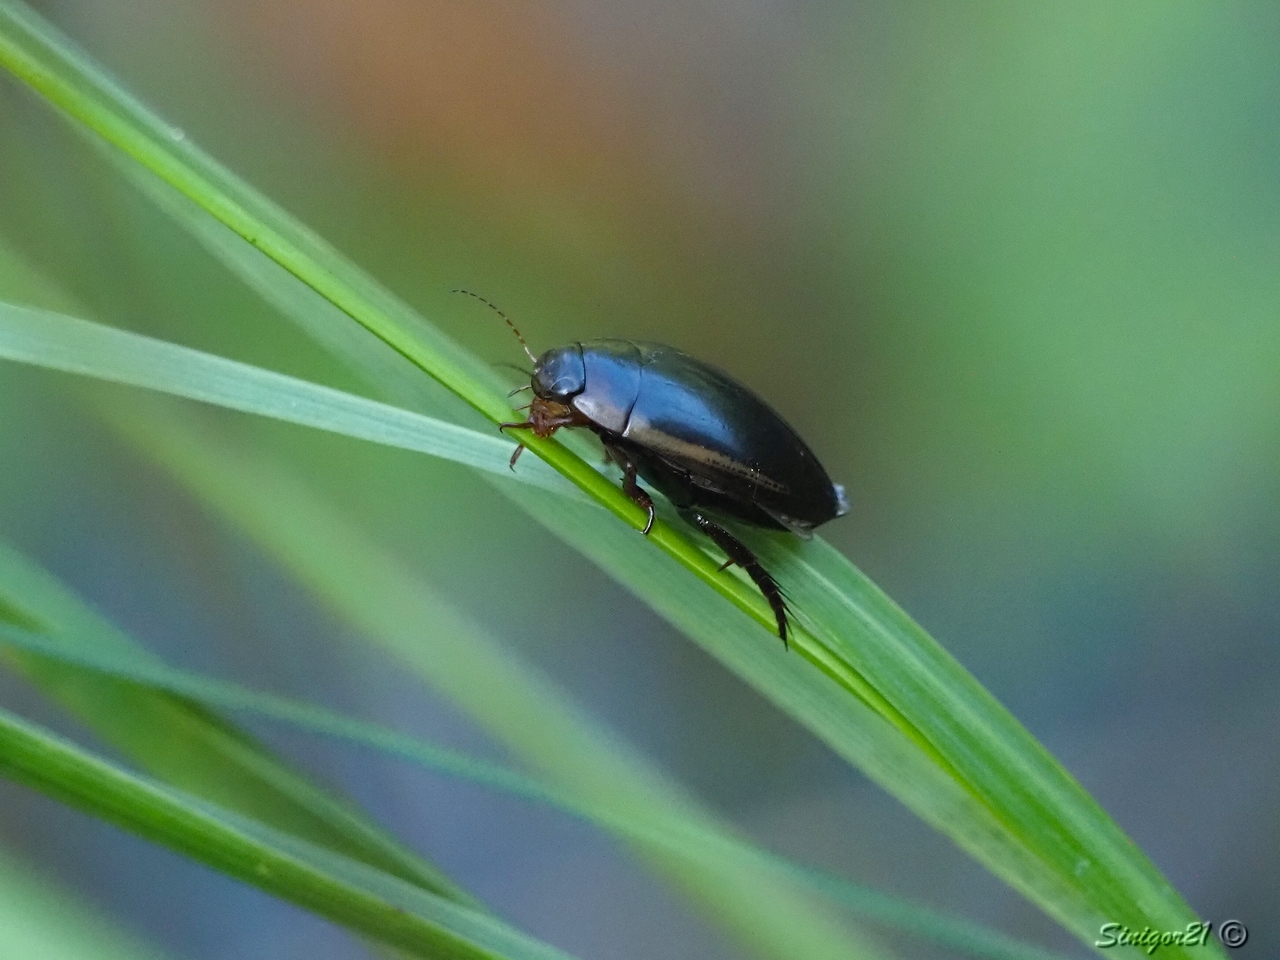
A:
<point x="1196" y="934"/>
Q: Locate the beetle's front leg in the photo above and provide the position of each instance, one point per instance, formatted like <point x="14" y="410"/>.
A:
<point x="504" y="427"/>
<point x="629" y="485"/>
<point x="545" y="418"/>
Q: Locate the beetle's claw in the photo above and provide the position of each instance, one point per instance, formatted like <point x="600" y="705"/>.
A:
<point x="629" y="485"/>
<point x="504" y="427"/>
<point x="726" y="565"/>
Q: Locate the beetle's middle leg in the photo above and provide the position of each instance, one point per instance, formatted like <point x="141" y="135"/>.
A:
<point x="739" y="553"/>
<point x="629" y="485"/>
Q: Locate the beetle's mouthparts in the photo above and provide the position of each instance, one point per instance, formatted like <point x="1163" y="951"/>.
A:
<point x="548" y="416"/>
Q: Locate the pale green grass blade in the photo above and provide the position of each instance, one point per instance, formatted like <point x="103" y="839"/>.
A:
<point x="1039" y="830"/>
<point x="41" y="921"/>
<point x="71" y="345"/>
<point x="683" y="838"/>
<point x="173" y="739"/>
<point x="975" y="828"/>
<point x="350" y="893"/>
<point x="509" y="698"/>
<point x="181" y="742"/>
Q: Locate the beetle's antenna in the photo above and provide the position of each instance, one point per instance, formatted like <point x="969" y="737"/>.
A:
<point x="527" y="351"/>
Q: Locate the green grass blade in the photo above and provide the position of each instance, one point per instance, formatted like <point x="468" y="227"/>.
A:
<point x="1036" y="799"/>
<point x="346" y="891"/>
<point x="682" y="838"/>
<point x="509" y="698"/>
<point x="397" y="379"/>
<point x="59" y="342"/>
<point x="181" y="742"/>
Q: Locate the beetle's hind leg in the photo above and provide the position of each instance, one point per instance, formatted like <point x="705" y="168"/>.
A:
<point x="629" y="485"/>
<point x="738" y="553"/>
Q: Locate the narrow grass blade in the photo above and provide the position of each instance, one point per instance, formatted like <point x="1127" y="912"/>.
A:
<point x="58" y="342"/>
<point x="182" y="742"/>
<point x="683" y="838"/>
<point x="346" y="891"/>
<point x="399" y="380"/>
<point x="509" y="698"/>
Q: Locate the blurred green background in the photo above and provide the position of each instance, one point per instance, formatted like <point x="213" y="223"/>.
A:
<point x="1010" y="268"/>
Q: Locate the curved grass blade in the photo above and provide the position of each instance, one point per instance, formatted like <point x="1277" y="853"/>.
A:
<point x="182" y="742"/>
<point x="346" y="891"/>
<point x="683" y="838"/>
<point x="972" y="825"/>
<point x="174" y="739"/>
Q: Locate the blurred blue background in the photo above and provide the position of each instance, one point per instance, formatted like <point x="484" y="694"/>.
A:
<point x="1011" y="269"/>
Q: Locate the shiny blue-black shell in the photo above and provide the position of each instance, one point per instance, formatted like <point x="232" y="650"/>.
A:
<point x="694" y="433"/>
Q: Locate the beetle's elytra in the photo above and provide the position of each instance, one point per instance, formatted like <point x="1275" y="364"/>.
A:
<point x="706" y="442"/>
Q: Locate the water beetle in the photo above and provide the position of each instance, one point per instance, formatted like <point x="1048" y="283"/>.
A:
<point x="703" y="440"/>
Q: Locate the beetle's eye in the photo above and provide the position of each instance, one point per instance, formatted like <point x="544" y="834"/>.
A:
<point x="560" y="374"/>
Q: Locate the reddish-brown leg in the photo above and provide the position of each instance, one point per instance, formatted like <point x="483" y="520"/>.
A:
<point x="542" y="424"/>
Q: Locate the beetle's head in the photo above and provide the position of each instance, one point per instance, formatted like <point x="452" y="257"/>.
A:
<point x="560" y="374"/>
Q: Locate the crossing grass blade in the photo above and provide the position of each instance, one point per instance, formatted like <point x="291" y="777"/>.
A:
<point x="184" y="743"/>
<point x="875" y="687"/>
<point x="174" y="739"/>
<point x="370" y="901"/>
<point x="509" y="698"/>
<point x="59" y="342"/>
<point x="100" y="653"/>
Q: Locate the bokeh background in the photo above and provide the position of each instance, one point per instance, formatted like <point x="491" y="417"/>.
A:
<point x="1010" y="267"/>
